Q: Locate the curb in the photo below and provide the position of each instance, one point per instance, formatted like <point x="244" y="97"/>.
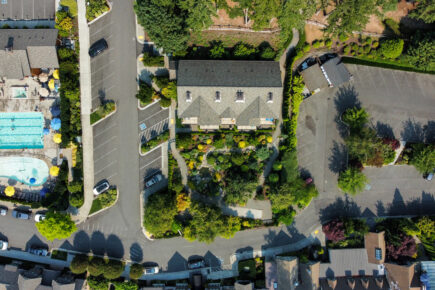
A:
<point x="144" y="154"/>
<point x="142" y="205"/>
<point x="104" y="14"/>
<point x="137" y="24"/>
<point x="107" y="116"/>
<point x="103" y="209"/>
<point x="144" y="108"/>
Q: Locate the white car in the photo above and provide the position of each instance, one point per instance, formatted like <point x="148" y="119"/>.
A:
<point x="3" y="211"/>
<point x="3" y="245"/>
<point x="101" y="187"/>
<point x="154" y="180"/>
<point x="39" y="217"/>
<point x="151" y="270"/>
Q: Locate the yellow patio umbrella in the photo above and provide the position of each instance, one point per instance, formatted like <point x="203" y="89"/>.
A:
<point x="51" y="84"/>
<point x="54" y="171"/>
<point x="57" y="138"/>
<point x="9" y="191"/>
<point x="56" y="74"/>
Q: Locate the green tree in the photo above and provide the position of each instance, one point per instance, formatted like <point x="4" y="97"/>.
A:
<point x="352" y="181"/>
<point x="273" y="178"/>
<point x="242" y="8"/>
<point x="231" y="225"/>
<point x="356" y="118"/>
<point x="421" y="51"/>
<point x="199" y="13"/>
<point x="423" y="158"/>
<point x="96" y="266"/>
<point x="289" y="162"/>
<point x="364" y="145"/>
<point x="113" y="269"/>
<point x="76" y="199"/>
<point x="56" y="226"/>
<point x="281" y="199"/>
<point x="350" y="15"/>
<point x="263" y="12"/>
<point x="160" y="211"/>
<point x="425" y="11"/>
<point x="206" y="224"/>
<point x="127" y="285"/>
<point x="170" y="91"/>
<point x="145" y="93"/>
<point x="426" y="226"/>
<point x="239" y="190"/>
<point x="391" y="48"/>
<point x="136" y="271"/>
<point x="244" y="51"/>
<point x="98" y="283"/>
<point x="79" y="264"/>
<point x="293" y="15"/>
<point x="164" y="22"/>
<point x="262" y="153"/>
<point x="217" y="50"/>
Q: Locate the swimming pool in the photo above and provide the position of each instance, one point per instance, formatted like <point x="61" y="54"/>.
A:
<point x="22" y="169"/>
<point x="21" y="130"/>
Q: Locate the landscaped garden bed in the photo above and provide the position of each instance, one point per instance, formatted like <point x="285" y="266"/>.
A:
<point x="150" y="59"/>
<point x="102" y="111"/>
<point x="253" y="270"/>
<point x="95" y="8"/>
<point x="420" y="155"/>
<point x="104" y="200"/>
<point x="150" y="144"/>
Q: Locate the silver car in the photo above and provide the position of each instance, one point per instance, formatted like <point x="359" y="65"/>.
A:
<point x="3" y="211"/>
<point x="154" y="180"/>
<point x="20" y="215"/>
<point x="101" y="187"/>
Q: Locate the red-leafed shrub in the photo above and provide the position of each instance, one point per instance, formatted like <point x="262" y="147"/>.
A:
<point x="407" y="248"/>
<point x="334" y="230"/>
<point x="394" y="144"/>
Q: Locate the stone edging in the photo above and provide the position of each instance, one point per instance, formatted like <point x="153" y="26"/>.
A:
<point x="110" y="9"/>
<point x="107" y="116"/>
<point x="103" y="209"/>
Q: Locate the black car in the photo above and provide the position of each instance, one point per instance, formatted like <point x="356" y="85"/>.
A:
<point x="98" y="47"/>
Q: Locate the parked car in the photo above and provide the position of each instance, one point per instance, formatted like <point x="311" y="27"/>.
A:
<point x="39" y="217"/>
<point x="153" y="180"/>
<point x="39" y="251"/>
<point x="196" y="264"/>
<point x="3" y="211"/>
<point x="429" y="177"/>
<point x="3" y="245"/>
<point x="101" y="187"/>
<point x="98" y="47"/>
<point x="20" y="215"/>
<point x="151" y="270"/>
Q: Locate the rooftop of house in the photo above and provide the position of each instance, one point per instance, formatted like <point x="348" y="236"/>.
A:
<point x="228" y="73"/>
<point x="25" y="49"/>
<point x="402" y="275"/>
<point x="356" y="283"/>
<point x="374" y="243"/>
<point x="27" y="9"/>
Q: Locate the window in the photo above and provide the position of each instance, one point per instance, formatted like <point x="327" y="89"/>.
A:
<point x="217" y="97"/>
<point x="188" y="96"/>
<point x="378" y="254"/>
<point x="270" y="97"/>
<point x="239" y="97"/>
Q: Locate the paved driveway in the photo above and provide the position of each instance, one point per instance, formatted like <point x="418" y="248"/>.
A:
<point x="401" y="105"/>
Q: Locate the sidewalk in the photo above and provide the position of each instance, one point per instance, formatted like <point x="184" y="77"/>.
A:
<point x="180" y="160"/>
<point x="86" y="107"/>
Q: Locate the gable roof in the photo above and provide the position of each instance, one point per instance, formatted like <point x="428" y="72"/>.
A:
<point x="372" y="242"/>
<point x="42" y="57"/>
<point x="14" y="65"/>
<point x="252" y="114"/>
<point x="348" y="262"/>
<point x="20" y="39"/>
<point x="336" y="71"/>
<point x="228" y="73"/>
<point x="314" y="78"/>
<point x="27" y="10"/>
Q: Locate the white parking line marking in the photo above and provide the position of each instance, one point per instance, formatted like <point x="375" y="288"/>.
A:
<point x="150" y="162"/>
<point x="104" y="155"/>
<point x="105" y="129"/>
<point x="97" y="172"/>
<point x="103" y="79"/>
<point x="103" y="66"/>
<point x="113" y="175"/>
<point x="152" y="115"/>
<point x="105" y="142"/>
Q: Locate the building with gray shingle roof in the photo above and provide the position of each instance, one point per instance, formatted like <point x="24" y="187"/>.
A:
<point x="215" y="94"/>
<point x="26" y="51"/>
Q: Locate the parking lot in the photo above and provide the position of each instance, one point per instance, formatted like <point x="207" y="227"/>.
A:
<point x="150" y="164"/>
<point x="156" y="120"/>
<point x="400" y="105"/>
<point x="103" y="75"/>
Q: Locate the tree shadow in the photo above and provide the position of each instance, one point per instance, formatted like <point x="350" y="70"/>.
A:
<point x="35" y="241"/>
<point x="114" y="247"/>
<point x="82" y="242"/>
<point x="177" y="263"/>
<point x="380" y="209"/>
<point x="136" y="253"/>
<point x="424" y="205"/>
<point x="340" y="208"/>
<point x="338" y="157"/>
<point x="346" y="98"/>
<point x="98" y="243"/>
<point x="212" y="260"/>
<point x="429" y="130"/>
<point x="102" y="96"/>
<point x="412" y="131"/>
<point x="384" y="130"/>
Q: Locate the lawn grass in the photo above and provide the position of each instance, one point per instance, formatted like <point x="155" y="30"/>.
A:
<point x="72" y="5"/>
<point x="96" y="206"/>
<point x="59" y="255"/>
<point x="384" y="63"/>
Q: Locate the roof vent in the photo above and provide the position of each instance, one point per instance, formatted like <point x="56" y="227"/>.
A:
<point x="188" y="97"/>
<point x="270" y="97"/>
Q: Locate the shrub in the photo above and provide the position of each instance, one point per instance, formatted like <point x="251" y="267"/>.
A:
<point x="244" y="51"/>
<point x="136" y="271"/>
<point x="183" y="202"/>
<point x="98" y="283"/>
<point x="306" y="47"/>
<point x="268" y="53"/>
<point x="96" y="266"/>
<point x="149" y="59"/>
<point x="113" y="269"/>
<point x="346" y="49"/>
<point x="355" y="117"/>
<point x="406" y="249"/>
<point x="76" y="199"/>
<point x="95" y="8"/>
<point x="328" y="42"/>
<point x="423" y="158"/>
<point x="165" y="102"/>
<point x="315" y="44"/>
<point x="108" y="198"/>
<point x="273" y="178"/>
<point x="170" y="91"/>
<point x="66" y="53"/>
<point x="366" y="48"/>
<point x="334" y="230"/>
<point x="352" y="181"/>
<point x="277" y="166"/>
<point x="375" y="44"/>
<point x="343" y="37"/>
<point x="263" y="153"/>
<point x="79" y="264"/>
<point x="391" y="48"/>
<point x="286" y="217"/>
<point x="217" y="50"/>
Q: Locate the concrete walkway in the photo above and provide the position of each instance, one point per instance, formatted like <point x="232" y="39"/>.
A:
<point x="172" y="127"/>
<point x="286" y="54"/>
<point x="86" y="107"/>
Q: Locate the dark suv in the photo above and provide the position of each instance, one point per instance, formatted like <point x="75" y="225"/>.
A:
<point x="98" y="47"/>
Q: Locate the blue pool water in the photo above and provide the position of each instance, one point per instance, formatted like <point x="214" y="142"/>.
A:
<point x="21" y="130"/>
<point x="22" y="169"/>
